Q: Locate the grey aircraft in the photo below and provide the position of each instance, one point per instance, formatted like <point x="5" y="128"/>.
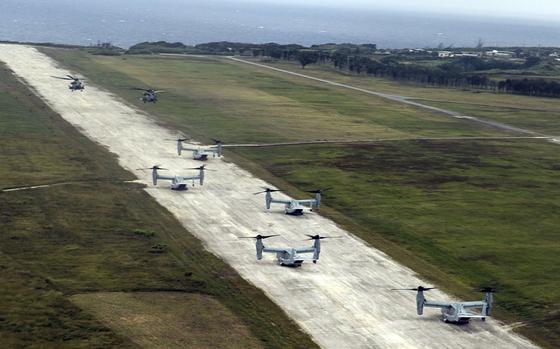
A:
<point x="76" y="83"/>
<point x="177" y="182"/>
<point x="202" y="152"/>
<point x="150" y="94"/>
<point x="289" y="256"/>
<point x="294" y="207"/>
<point x="454" y="312"/>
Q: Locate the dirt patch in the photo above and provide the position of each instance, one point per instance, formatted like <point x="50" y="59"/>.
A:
<point x="168" y="319"/>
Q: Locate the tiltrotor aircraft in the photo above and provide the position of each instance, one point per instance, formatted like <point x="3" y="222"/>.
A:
<point x="150" y="94"/>
<point x="202" y="152"/>
<point x="177" y="182"/>
<point x="76" y="83"/>
<point x="289" y="256"/>
<point x="454" y="312"/>
<point x="293" y="207"/>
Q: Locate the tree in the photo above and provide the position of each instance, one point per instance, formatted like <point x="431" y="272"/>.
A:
<point x="532" y="61"/>
<point x="307" y="57"/>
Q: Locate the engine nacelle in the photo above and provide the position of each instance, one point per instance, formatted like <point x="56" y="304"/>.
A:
<point x="420" y="300"/>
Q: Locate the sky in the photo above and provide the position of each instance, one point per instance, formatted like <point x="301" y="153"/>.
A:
<point x="535" y="9"/>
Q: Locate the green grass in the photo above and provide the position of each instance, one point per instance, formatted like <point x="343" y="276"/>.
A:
<point x="235" y="102"/>
<point x="461" y="214"/>
<point x="161" y="320"/>
<point x="425" y="92"/>
<point x="96" y="236"/>
<point x="545" y="122"/>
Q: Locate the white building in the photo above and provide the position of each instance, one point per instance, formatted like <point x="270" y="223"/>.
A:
<point x="445" y="54"/>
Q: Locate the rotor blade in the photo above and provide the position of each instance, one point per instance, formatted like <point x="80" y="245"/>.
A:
<point x="319" y="237"/>
<point x="203" y="167"/>
<point x="403" y="289"/>
<point x="419" y="288"/>
<point x="267" y="190"/>
<point x="258" y="236"/>
<point x="486" y="289"/>
<point x="152" y="168"/>
<point x="317" y="190"/>
<point x="159" y="91"/>
<point x="58" y="77"/>
<point x="138" y="89"/>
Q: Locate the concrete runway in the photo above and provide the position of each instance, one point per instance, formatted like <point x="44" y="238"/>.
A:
<point x="342" y="302"/>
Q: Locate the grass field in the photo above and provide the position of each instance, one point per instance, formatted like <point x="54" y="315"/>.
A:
<point x="160" y="320"/>
<point x="461" y="214"/>
<point x="425" y="92"/>
<point x="237" y="103"/>
<point x="101" y="234"/>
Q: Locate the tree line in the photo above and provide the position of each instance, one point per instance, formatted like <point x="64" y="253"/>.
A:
<point x="463" y="72"/>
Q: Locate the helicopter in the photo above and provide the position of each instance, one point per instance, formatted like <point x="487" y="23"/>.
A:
<point x="178" y="183"/>
<point x="201" y="153"/>
<point x="293" y="207"/>
<point x="290" y="257"/>
<point x="76" y="83"/>
<point x="150" y="94"/>
<point x="454" y="312"/>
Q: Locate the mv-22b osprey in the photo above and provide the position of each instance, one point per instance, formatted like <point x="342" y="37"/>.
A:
<point x="177" y="182"/>
<point x="201" y="152"/>
<point x="290" y="256"/>
<point x="294" y="207"/>
<point x="454" y="312"/>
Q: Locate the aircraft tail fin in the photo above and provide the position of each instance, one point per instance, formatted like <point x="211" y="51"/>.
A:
<point x="179" y="147"/>
<point x="489" y="298"/>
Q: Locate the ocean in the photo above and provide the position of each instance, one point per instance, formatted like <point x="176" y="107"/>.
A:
<point x="126" y="22"/>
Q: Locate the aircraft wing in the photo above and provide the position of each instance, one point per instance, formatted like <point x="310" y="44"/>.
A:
<point x="285" y="202"/>
<point x="305" y="250"/>
<point x="274" y="249"/>
<point x="433" y="304"/>
<point x="166" y="177"/>
<point x="473" y="304"/>
<point x="189" y="178"/>
<point x="309" y="202"/>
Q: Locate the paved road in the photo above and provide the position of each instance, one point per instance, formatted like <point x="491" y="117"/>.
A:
<point x="401" y="99"/>
<point x="342" y="302"/>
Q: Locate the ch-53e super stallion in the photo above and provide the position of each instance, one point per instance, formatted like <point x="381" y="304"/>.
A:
<point x="289" y="256"/>
<point x="177" y="182"/>
<point x="150" y="94"/>
<point x="201" y="152"/>
<point x="454" y="312"/>
<point x="76" y="83"/>
<point x="292" y="206"/>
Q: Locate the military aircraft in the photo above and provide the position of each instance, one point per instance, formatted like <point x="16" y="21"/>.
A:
<point x="150" y="94"/>
<point x="454" y="312"/>
<point x="201" y="152"/>
<point x="177" y="182"/>
<point x="293" y="207"/>
<point x="290" y="257"/>
<point x="76" y="83"/>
